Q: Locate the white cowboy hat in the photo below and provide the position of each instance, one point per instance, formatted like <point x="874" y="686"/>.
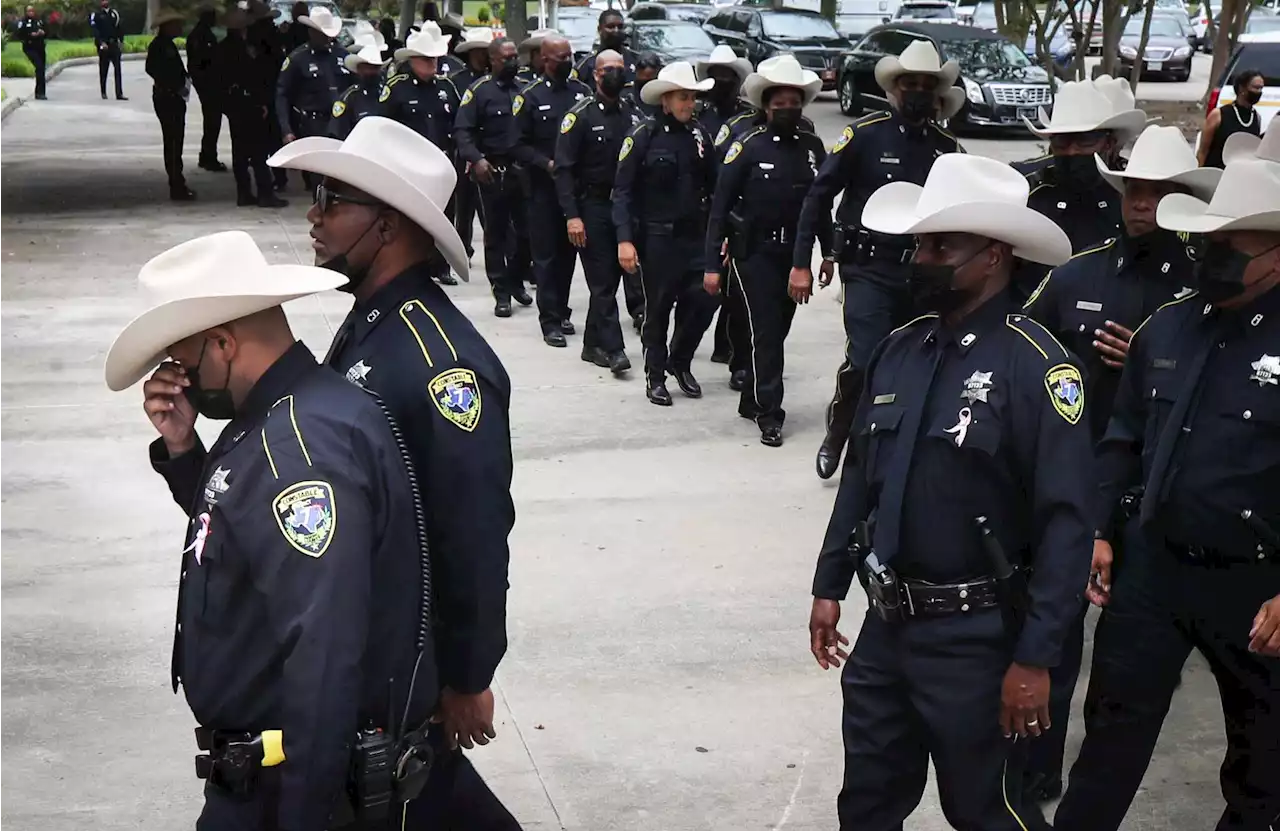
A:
<point x="1248" y="146"/>
<point x="971" y="195"/>
<point x="535" y="39"/>
<point x="1247" y="199"/>
<point x="323" y="21"/>
<point x="1161" y="154"/>
<point x="427" y="42"/>
<point x="921" y="58"/>
<point x="785" y="72"/>
<point x="474" y="39"/>
<point x="723" y="55"/>
<point x="202" y="283"/>
<point x="1082" y="107"/>
<point x="1120" y="93"/>
<point x="453" y="20"/>
<point x="674" y="76"/>
<point x="370" y="53"/>
<point x="392" y="163"/>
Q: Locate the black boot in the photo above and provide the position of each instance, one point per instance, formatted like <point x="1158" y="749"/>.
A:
<point x="828" y="461"/>
<point x="738" y="380"/>
<point x="657" y="392"/>
<point x="771" y="436"/>
<point x="687" y="383"/>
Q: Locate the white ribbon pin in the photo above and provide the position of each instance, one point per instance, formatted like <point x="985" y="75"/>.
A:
<point x="962" y="426"/>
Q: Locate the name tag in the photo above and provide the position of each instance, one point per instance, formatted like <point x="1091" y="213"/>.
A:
<point x="890" y="160"/>
<point x="887" y="398"/>
<point x="1088" y="306"/>
<point x="1164" y="363"/>
<point x="598" y="128"/>
<point x="545" y="107"/>
<point x="766" y="166"/>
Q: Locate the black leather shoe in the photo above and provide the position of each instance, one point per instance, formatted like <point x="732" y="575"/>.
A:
<point x="719" y="357"/>
<point x="182" y="195"/>
<point x="249" y="201"/>
<point x="567" y="327"/>
<point x="122" y="98"/>
<point x="521" y="295"/>
<point x="446" y="278"/>
<point x="214" y="166"/>
<point x="618" y="362"/>
<point x="771" y="436"/>
<point x="738" y="380"/>
<point x="687" y="383"/>
<point x="593" y="355"/>
<point x="273" y="201"/>
<point x="502" y="308"/>
<point x="828" y="461"/>
<point x="657" y="394"/>
<point x="1040" y="787"/>
<point x="554" y="339"/>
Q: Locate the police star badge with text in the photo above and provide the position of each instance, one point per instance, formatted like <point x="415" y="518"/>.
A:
<point x="976" y="387"/>
<point x="307" y="516"/>
<point x="1266" y="370"/>
<point x="457" y="397"/>
<point x="1066" y="391"/>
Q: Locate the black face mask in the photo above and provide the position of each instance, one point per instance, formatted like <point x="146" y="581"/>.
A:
<point x="560" y="72"/>
<point x="355" y="275"/>
<point x="785" y="120"/>
<point x="612" y="81"/>
<point x="919" y="105"/>
<point x="507" y="70"/>
<point x="214" y="404"/>
<point x="722" y="92"/>
<point x="611" y="40"/>
<point x="1220" y="272"/>
<point x="1250" y="98"/>
<point x="1078" y="173"/>
<point x="931" y="286"/>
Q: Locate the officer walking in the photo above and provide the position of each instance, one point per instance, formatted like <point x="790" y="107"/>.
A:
<point x="723" y="102"/>
<point x="202" y="48"/>
<point x="169" y="94"/>
<point x="107" y="36"/>
<point x="972" y="463"/>
<point x="311" y="79"/>
<point x="246" y="95"/>
<point x="540" y="111"/>
<point x="611" y="34"/>
<point x="31" y="34"/>
<point x="758" y="197"/>
<point x="896" y="145"/>
<point x="586" y="159"/>
<point x="295" y="633"/>
<point x="406" y="341"/>
<point x="361" y="98"/>
<point x="1065" y="184"/>
<point x="486" y="134"/>
<point x="666" y="175"/>
<point x="648" y="65"/>
<point x="1192" y="424"/>
<point x="474" y="49"/>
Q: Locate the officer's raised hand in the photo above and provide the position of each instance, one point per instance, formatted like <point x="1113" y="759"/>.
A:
<point x="800" y="285"/>
<point x="1113" y="344"/>
<point x="1264" y="637"/>
<point x="627" y="257"/>
<point x="168" y="408"/>
<point x="577" y="232"/>
<point x="825" y="641"/>
<point x="1024" y="701"/>
<point x="467" y="717"/>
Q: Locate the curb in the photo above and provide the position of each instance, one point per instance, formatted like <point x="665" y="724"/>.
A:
<point x="11" y="104"/>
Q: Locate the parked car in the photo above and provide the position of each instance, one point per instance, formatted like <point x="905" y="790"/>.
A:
<point x="1001" y="84"/>
<point x="689" y="12"/>
<point x="1259" y="24"/>
<point x="671" y="40"/>
<point x="1062" y="49"/>
<point x="1168" y="51"/>
<point x="983" y="16"/>
<point x="1262" y="54"/>
<point x="937" y="11"/>
<point x="578" y="24"/>
<point x="759" y="33"/>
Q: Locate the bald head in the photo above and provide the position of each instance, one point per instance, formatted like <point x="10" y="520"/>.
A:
<point x="609" y="58"/>
<point x="557" y="58"/>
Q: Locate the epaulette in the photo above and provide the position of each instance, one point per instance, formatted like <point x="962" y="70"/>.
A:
<point x="285" y="435"/>
<point x="581" y="105"/>
<point x="913" y="322"/>
<point x="478" y="82"/>
<point x="394" y="79"/>
<point x="346" y="93"/>
<point x="871" y="118"/>
<point x="531" y="85"/>
<point x="945" y="134"/>
<point x="1041" y="338"/>
<point x="1102" y="246"/>
<point x="429" y="334"/>
<point x="1173" y="302"/>
<point x="750" y="134"/>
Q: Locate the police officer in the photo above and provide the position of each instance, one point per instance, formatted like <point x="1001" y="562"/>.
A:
<point x="246" y="95"/>
<point x="31" y="33"/>
<point x="586" y="159"/>
<point x="474" y="50"/>
<point x="202" y="49"/>
<point x="540" y="111"/>
<point x="268" y="43"/>
<point x="530" y="55"/>
<point x="757" y="202"/>
<point x="896" y="145"/>
<point x="648" y="65"/>
<point x="971" y="460"/>
<point x="294" y="631"/>
<point x="107" y="37"/>
<point x="486" y="134"/>
<point x="611" y="35"/>
<point x="171" y="87"/>
<point x="390" y="43"/>
<point x="1065" y="184"/>
<point x="421" y="99"/>
<point x="311" y="79"/>
<point x="723" y="101"/>
<point x="666" y="175"/>
<point x="361" y="98"/>
<point x="1193" y="425"/>
<point x="405" y="340"/>
<point x="451" y="26"/>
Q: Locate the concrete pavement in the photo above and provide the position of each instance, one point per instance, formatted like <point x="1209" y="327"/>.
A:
<point x="658" y="677"/>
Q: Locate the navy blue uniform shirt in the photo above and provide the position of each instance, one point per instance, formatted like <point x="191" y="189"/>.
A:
<point x="427" y="107"/>
<point x="451" y="397"/>
<point x="1001" y="435"/>
<point x="587" y="148"/>
<point x="540" y="110"/>
<point x="299" y="598"/>
<point x="586" y="68"/>
<point x="311" y="79"/>
<point x="359" y="100"/>
<point x="105" y="26"/>
<point x="666" y="175"/>
<point x="486" y="126"/>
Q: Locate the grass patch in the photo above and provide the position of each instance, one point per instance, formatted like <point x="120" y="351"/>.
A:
<point x="14" y="64"/>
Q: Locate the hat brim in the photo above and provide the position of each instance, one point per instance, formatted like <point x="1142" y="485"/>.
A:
<point x="655" y="89"/>
<point x="753" y="89"/>
<point x="353" y="60"/>
<point x="470" y="45"/>
<point x="323" y="156"/>
<point x="893" y="209"/>
<point x="404" y="53"/>
<point x="1128" y="124"/>
<point x="1181" y="212"/>
<point x="889" y="68"/>
<point x="1201" y="181"/>
<point x="333" y="31"/>
<point x="952" y="102"/>
<point x="741" y="66"/>
<point x="1240" y="146"/>
<point x="145" y="341"/>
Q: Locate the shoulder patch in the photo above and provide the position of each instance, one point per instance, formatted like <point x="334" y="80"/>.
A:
<point x="627" y="144"/>
<point x="385" y="95"/>
<point x="457" y="397"/>
<point x="723" y="135"/>
<point x="1066" y="391"/>
<point x="843" y="141"/>
<point x="339" y="108"/>
<point x="307" y="516"/>
<point x="467" y="98"/>
<point x="566" y="124"/>
<point x="735" y="150"/>
<point x="517" y="105"/>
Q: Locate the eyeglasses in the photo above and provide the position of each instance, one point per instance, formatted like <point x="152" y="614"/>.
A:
<point x="326" y="197"/>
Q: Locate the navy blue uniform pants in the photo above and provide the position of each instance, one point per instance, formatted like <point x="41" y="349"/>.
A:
<point x="930" y="688"/>
<point x="671" y="276"/>
<point x="553" y="254"/>
<point x="759" y="298"/>
<point x="314" y="123"/>
<point x="172" y="112"/>
<point x="500" y="197"/>
<point x="600" y="263"/>
<point x="211" y="105"/>
<point x="36" y="54"/>
<point x="1044" y="758"/>
<point x="108" y="58"/>
<point x="249" y="136"/>
<point x="465" y="205"/>
<point x="1161" y="608"/>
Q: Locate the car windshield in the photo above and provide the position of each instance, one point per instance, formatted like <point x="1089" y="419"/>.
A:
<point x="927" y="12"/>
<point x="798" y="26"/>
<point x="1160" y="26"/>
<point x="577" y="26"/>
<point x="985" y="16"/>
<point x="988" y="52"/>
<point x="1262" y="23"/>
<point x="664" y="37"/>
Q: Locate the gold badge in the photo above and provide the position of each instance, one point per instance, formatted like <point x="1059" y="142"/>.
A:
<point x="517" y="105"/>
<point x="307" y="516"/>
<point x="567" y="124"/>
<point x="845" y="138"/>
<point x="339" y="108"/>
<point x="1066" y="391"/>
<point x="733" y="153"/>
<point x="457" y="397"/>
<point x="627" y="144"/>
<point x="466" y="98"/>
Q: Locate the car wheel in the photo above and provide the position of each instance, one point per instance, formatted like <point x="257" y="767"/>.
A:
<point x="848" y="97"/>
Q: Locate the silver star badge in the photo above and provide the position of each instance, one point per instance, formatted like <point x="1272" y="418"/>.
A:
<point x="1266" y="370"/>
<point x="977" y="386"/>
<point x="356" y="374"/>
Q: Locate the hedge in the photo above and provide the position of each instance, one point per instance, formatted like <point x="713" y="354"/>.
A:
<point x="14" y="64"/>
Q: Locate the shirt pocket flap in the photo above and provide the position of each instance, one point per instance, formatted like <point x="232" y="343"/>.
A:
<point x="884" y="418"/>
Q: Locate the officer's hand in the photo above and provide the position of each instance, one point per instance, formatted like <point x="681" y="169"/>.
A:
<point x="483" y="171"/>
<point x="551" y="165"/>
<point x="627" y="257"/>
<point x="1024" y="701"/>
<point x="1264" y="637"/>
<point x="1099" y="589"/>
<point x="825" y="272"/>
<point x="824" y="639"/>
<point x="467" y="719"/>
<point x="800" y="285"/>
<point x="168" y="408"/>
<point x="288" y="137"/>
<point x="577" y="233"/>
<point x="724" y="253"/>
<point x="711" y="283"/>
<point x="1113" y="344"/>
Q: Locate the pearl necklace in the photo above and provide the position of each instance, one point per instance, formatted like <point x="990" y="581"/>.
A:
<point x="1252" y="114"/>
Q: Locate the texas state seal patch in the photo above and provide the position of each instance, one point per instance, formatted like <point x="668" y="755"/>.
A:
<point x="1066" y="391"/>
<point x="457" y="397"/>
<point x="307" y="516"/>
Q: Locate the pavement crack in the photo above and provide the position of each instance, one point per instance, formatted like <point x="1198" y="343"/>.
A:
<point x="529" y="752"/>
<point x="795" y="794"/>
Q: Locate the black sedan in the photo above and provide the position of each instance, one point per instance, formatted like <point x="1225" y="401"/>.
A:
<point x="671" y="40"/>
<point x="1168" y="51"/>
<point x="758" y="33"/>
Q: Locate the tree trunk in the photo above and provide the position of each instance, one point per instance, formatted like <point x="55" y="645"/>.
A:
<point x="517" y="25"/>
<point x="1082" y="46"/>
<point x="153" y="8"/>
<point x="829" y="10"/>
<point x="408" y="12"/>
<point x="1136" y="74"/>
<point x="1234" y="13"/>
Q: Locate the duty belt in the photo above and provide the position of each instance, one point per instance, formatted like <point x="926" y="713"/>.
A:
<point x="781" y="236"/>
<point x="920" y="598"/>
<point x="232" y="760"/>
<point x="1205" y="555"/>
<point x="597" y="191"/>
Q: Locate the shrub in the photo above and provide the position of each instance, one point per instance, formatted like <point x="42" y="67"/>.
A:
<point x="482" y="14"/>
<point x="14" y="63"/>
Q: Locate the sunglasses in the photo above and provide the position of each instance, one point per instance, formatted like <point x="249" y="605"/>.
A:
<point x="326" y="198"/>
